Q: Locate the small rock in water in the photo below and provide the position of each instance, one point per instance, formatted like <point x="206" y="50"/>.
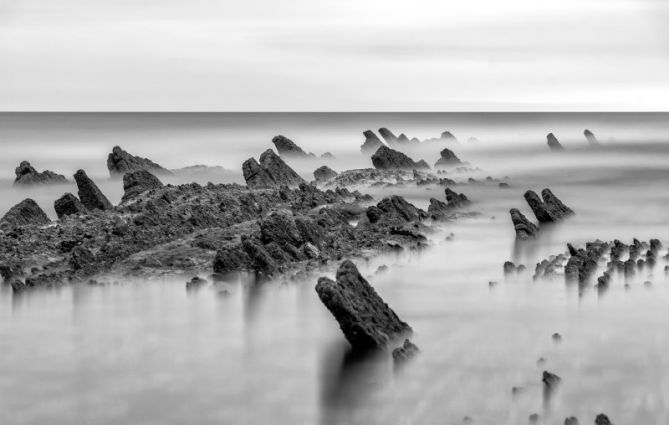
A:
<point x="287" y="148"/>
<point x="26" y="174"/>
<point x="492" y="284"/>
<point x="589" y="135"/>
<point x="534" y="419"/>
<point x="557" y="338"/>
<point x="120" y="162"/>
<point x="406" y="352"/>
<point x="550" y="380"/>
<point x="503" y="185"/>
<point x="324" y="173"/>
<point x="372" y="142"/>
<point x="572" y="420"/>
<point x="448" y="158"/>
<point x="388" y="159"/>
<point x="602" y="419"/>
<point x="553" y="143"/>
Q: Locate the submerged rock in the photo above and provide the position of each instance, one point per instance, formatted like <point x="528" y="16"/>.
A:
<point x="553" y="143"/>
<point x="372" y="142"/>
<point x="120" y="162"/>
<point x="590" y="137"/>
<point x="89" y="193"/>
<point x="288" y="148"/>
<point x="448" y="158"/>
<point x="386" y="159"/>
<point x="572" y="420"/>
<point x="25" y="213"/>
<point x="365" y="319"/>
<point x="26" y="174"/>
<point x="136" y="182"/>
<point x="68" y="204"/>
<point x="324" y="173"/>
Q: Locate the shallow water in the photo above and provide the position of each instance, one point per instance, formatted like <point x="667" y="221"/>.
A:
<point x="247" y="353"/>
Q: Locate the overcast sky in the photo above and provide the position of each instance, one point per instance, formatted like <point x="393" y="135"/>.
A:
<point x="334" y="55"/>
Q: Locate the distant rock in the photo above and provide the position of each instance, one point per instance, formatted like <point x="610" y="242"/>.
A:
<point x="120" y="162"/>
<point x="473" y="140"/>
<point x="589" y="135"/>
<point x="456" y="200"/>
<point x="525" y="229"/>
<point x="550" y="210"/>
<point x="406" y="352"/>
<point x="448" y="136"/>
<point x="255" y="176"/>
<point x="367" y="322"/>
<point x="448" y="158"/>
<point x="287" y="148"/>
<point x="136" y="182"/>
<point x="572" y="420"/>
<point x="550" y="380"/>
<point x="388" y="136"/>
<point x="602" y="419"/>
<point x="328" y="155"/>
<point x="68" y="204"/>
<point x="196" y="283"/>
<point x="324" y="173"/>
<point x="26" y="174"/>
<point x="89" y="193"/>
<point x="386" y="159"/>
<point x="372" y="142"/>
<point x="553" y="143"/>
<point x="24" y="213"/>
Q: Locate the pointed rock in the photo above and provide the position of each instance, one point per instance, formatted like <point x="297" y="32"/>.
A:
<point x="525" y="229"/>
<point x="591" y="138"/>
<point x="25" y="213"/>
<point x="255" y="176"/>
<point x="68" y="204"/>
<point x="553" y="143"/>
<point x="372" y="142"/>
<point x="287" y="148"/>
<point x="26" y="174"/>
<point x="89" y="193"/>
<point x="136" y="182"/>
<point x="324" y="173"/>
<point x="456" y="200"/>
<point x="388" y="159"/>
<point x="448" y="136"/>
<point x="280" y="172"/>
<point x="120" y="162"/>
<point x="388" y="136"/>
<point x="448" y="158"/>
<point x="548" y="210"/>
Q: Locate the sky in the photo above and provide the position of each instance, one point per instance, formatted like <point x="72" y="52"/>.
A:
<point x="334" y="55"/>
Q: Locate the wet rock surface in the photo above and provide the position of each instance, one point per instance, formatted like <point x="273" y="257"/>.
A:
<point x="366" y="321"/>
<point x="386" y="159"/>
<point x="26" y="174"/>
<point x="120" y="162"/>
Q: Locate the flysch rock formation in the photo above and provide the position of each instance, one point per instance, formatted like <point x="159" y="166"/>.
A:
<point x="553" y="143"/>
<point x="89" y="194"/>
<point x="120" y="162"/>
<point x="547" y="209"/>
<point x="372" y="142"/>
<point x="271" y="171"/>
<point x="590" y="137"/>
<point x="26" y="174"/>
<point x="288" y="149"/>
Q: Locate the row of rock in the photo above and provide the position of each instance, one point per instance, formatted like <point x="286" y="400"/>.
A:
<point x="555" y="145"/>
<point x="289" y="149"/>
<point x="547" y="209"/>
<point x="373" y="143"/>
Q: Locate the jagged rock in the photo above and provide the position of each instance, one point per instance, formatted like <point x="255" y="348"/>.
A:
<point x="25" y="213"/>
<point x="534" y="419"/>
<point x="324" y="173"/>
<point x="602" y="419"/>
<point x="448" y="136"/>
<point x="120" y="162"/>
<point x="582" y="263"/>
<point x="365" y="319"/>
<point x="388" y="136"/>
<point x="288" y="148"/>
<point x="406" y="352"/>
<point x="372" y="142"/>
<point x="68" y="204"/>
<point x="571" y="421"/>
<point x="456" y="200"/>
<point x="525" y="229"/>
<point x="255" y="176"/>
<point x="81" y="258"/>
<point x="89" y="193"/>
<point x="136" y="182"/>
<point x="592" y="139"/>
<point x="26" y="174"/>
<point x="550" y="380"/>
<point x="386" y="159"/>
<point x="553" y="143"/>
<point x="550" y="210"/>
<point x="448" y="158"/>
<point x="278" y="170"/>
<point x="394" y="209"/>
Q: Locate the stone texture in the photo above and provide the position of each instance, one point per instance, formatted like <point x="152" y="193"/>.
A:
<point x="68" y="204"/>
<point x="89" y="193"/>
<point x="26" y="174"/>
<point x="139" y="181"/>
<point x="25" y="213"/>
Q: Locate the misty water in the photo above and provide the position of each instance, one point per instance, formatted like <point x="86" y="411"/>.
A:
<point x="241" y="352"/>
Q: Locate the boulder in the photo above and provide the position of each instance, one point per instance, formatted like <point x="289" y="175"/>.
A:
<point x="367" y="322"/>
<point x="25" y="213"/>
<point x="255" y="176"/>
<point x="287" y="148"/>
<point x="324" y="173"/>
<point x="553" y="143"/>
<point x="120" y="162"/>
<point x="590" y="137"/>
<point x="394" y="209"/>
<point x="388" y="159"/>
<point x="89" y="193"/>
<point x="26" y="174"/>
<point x="139" y="181"/>
<point x="68" y="204"/>
<point x="448" y="159"/>
<point x="372" y="142"/>
<point x="278" y="170"/>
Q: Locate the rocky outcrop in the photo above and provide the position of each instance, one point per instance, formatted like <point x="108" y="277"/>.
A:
<point x="89" y="194"/>
<point x="287" y="148"/>
<point x="255" y="176"/>
<point x="448" y="159"/>
<point x="25" y="213"/>
<point x="26" y="174"/>
<point x="386" y="159"/>
<point x="602" y="419"/>
<point x="553" y="143"/>
<point x="395" y="209"/>
<point x="583" y="263"/>
<point x="448" y="136"/>
<point x="368" y="323"/>
<point x="327" y="155"/>
<point x="550" y="380"/>
<point x="406" y="352"/>
<point x="271" y="171"/>
<point x="590" y="137"/>
<point x="456" y="200"/>
<point x="136" y="182"/>
<point x="372" y="142"/>
<point x="120" y="162"/>
<point x="548" y="210"/>
<point x="68" y="204"/>
<point x="388" y="136"/>
<point x="324" y="173"/>
<point x="524" y="228"/>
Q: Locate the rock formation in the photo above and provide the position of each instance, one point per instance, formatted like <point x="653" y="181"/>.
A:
<point x="456" y="200"/>
<point x="367" y="322"/>
<point x="590" y="137"/>
<point x="327" y="155"/>
<point x="372" y="142"/>
<point x="272" y="171"/>
<point x="68" y="204"/>
<point x="448" y="158"/>
<point x="448" y="136"/>
<point x="385" y="159"/>
<point x="89" y="194"/>
<point x="388" y="136"/>
<point x="26" y="174"/>
<point x="550" y="210"/>
<point x="525" y="229"/>
<point x="553" y="143"/>
<point x="120" y="162"/>
<point x="287" y="148"/>
<point x="406" y="352"/>
<point x="25" y="213"/>
<point x="136" y="182"/>
<point x="324" y="173"/>
<point x="602" y="419"/>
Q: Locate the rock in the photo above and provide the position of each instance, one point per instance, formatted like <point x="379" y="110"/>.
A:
<point x="550" y="380"/>
<point x="387" y="159"/>
<point x="26" y="174"/>
<point x="372" y="142"/>
<point x="602" y="419"/>
<point x="582" y="263"/>
<point x="591" y="137"/>
<point x="448" y="136"/>
<point x="196" y="283"/>
<point x="456" y="200"/>
<point x="120" y="162"/>
<point x="89" y="193"/>
<point x="255" y="176"/>
<point x="448" y="158"/>
<point x="287" y="148"/>
<point x="229" y="260"/>
<point x="571" y="421"/>
<point x="503" y="185"/>
<point x="68" y="204"/>
<point x="365" y="319"/>
<point x="139" y="181"/>
<point x="278" y="170"/>
<point x="25" y="213"/>
<point x="534" y="419"/>
<point x="388" y="136"/>
<point x="553" y="143"/>
<point x="550" y="210"/>
<point x="82" y="258"/>
<point x="324" y="173"/>
<point x="525" y="229"/>
<point x="395" y="209"/>
<point x="404" y="353"/>
<point x="327" y="155"/>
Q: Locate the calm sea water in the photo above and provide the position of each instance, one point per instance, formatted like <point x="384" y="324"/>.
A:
<point x="244" y="353"/>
